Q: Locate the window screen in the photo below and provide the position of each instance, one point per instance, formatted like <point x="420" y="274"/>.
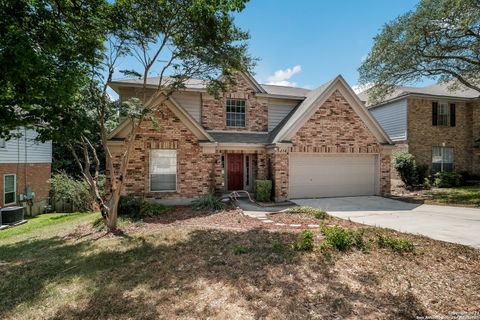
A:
<point x="163" y="170"/>
<point x="442" y="159"/>
<point x="235" y="113"/>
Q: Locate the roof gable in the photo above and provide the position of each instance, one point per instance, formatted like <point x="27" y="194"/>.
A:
<point x="317" y="97"/>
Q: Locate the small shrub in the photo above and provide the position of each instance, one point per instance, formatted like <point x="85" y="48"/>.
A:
<point x="305" y="241"/>
<point x="74" y="193"/>
<point x="397" y="245"/>
<point x="137" y="208"/>
<point x="278" y="246"/>
<point x="359" y="240"/>
<point x="208" y="203"/>
<point x="447" y="179"/>
<point x="263" y="190"/>
<point x="337" y="237"/>
<point x="409" y="171"/>
<point x="240" y="249"/>
<point x="315" y="212"/>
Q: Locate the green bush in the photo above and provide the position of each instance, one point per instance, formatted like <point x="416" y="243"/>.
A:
<point x="278" y="246"/>
<point x="447" y="179"/>
<point x="337" y="237"/>
<point x="137" y="208"/>
<point x="240" y="249"/>
<point x="263" y="190"/>
<point x="74" y="193"/>
<point x="208" y="203"/>
<point x="315" y="212"/>
<point x="398" y="245"/>
<point x="410" y="173"/>
<point x="305" y="241"/>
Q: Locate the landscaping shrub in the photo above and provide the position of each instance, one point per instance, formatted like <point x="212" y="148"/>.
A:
<point x="240" y="249"/>
<point x="447" y="179"/>
<point x="73" y="193"/>
<point x="278" y="246"/>
<point x="208" y="203"/>
<point x="410" y="173"/>
<point x="137" y="208"/>
<point x="305" y="241"/>
<point x="398" y="245"/>
<point x="263" y="190"/>
<point x="315" y="212"/>
<point x="337" y="237"/>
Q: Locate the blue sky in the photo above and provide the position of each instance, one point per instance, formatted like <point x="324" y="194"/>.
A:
<point x="308" y="42"/>
<point x="323" y="38"/>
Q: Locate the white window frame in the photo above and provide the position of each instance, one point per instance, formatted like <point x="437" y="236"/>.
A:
<point x="14" y="189"/>
<point x="443" y="106"/>
<point x="442" y="155"/>
<point x="150" y="171"/>
<point x="235" y="112"/>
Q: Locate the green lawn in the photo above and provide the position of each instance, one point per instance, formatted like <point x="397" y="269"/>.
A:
<point x="469" y="196"/>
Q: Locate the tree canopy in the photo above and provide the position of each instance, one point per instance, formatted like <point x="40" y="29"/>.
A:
<point x="440" y="39"/>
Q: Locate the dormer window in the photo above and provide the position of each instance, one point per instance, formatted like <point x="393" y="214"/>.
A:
<point x="235" y="113"/>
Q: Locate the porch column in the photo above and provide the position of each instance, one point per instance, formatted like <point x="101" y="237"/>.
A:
<point x="262" y="166"/>
<point x="279" y="163"/>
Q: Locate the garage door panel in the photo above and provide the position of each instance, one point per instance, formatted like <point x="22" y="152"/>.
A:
<point x="314" y="175"/>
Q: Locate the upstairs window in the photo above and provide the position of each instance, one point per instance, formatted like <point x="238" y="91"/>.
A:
<point x="442" y="159"/>
<point x="9" y="189"/>
<point x="443" y="114"/>
<point x="163" y="170"/>
<point x="235" y="113"/>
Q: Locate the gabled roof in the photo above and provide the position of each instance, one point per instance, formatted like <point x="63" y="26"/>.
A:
<point x="438" y="90"/>
<point x="316" y="97"/>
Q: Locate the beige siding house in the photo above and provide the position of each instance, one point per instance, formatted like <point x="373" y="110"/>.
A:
<point x="310" y="143"/>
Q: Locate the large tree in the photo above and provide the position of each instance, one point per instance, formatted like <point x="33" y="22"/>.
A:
<point x="176" y="39"/>
<point x="440" y="39"/>
<point x="46" y="50"/>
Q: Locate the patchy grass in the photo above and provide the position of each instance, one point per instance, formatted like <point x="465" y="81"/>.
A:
<point x="182" y="264"/>
<point x="468" y="195"/>
<point x="314" y="212"/>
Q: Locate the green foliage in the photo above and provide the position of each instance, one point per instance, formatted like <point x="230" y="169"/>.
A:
<point x="439" y="40"/>
<point x="71" y="191"/>
<point x="315" y="212"/>
<point x="278" y="247"/>
<point x="445" y="179"/>
<point x="397" y="245"/>
<point x="137" y="208"/>
<point x="337" y="237"/>
<point x="208" y="203"/>
<point x="409" y="171"/>
<point x="263" y="190"/>
<point x="241" y="249"/>
<point x="305" y="241"/>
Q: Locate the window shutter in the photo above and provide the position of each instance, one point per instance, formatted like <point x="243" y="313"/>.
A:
<point x="434" y="113"/>
<point x="452" y="115"/>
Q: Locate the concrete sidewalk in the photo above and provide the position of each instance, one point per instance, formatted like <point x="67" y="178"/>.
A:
<point x="446" y="223"/>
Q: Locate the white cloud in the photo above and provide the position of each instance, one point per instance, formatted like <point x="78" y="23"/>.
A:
<point x="361" y="87"/>
<point x="281" y="77"/>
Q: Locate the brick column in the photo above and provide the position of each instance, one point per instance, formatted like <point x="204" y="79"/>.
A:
<point x="262" y="166"/>
<point x="279" y="163"/>
<point x="385" y="170"/>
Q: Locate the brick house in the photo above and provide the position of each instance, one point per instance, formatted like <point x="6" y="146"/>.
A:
<point x="310" y="143"/>
<point x="438" y="126"/>
<point x="25" y="168"/>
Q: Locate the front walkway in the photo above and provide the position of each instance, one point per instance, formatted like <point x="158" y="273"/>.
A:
<point x="446" y="223"/>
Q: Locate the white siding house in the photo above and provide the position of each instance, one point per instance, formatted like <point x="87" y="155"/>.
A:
<point x="25" y="149"/>
<point x="393" y="118"/>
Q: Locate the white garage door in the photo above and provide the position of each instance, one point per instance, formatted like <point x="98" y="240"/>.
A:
<point x="314" y="175"/>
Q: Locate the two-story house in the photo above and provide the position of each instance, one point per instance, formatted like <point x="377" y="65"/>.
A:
<point x="310" y="143"/>
<point x="25" y="168"/>
<point x="438" y="126"/>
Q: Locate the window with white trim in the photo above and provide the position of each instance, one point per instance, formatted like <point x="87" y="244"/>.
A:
<point x="442" y="159"/>
<point x="163" y="170"/>
<point x="235" y="113"/>
<point x="9" y="189"/>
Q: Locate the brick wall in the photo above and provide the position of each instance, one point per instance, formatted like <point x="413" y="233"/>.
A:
<point x="214" y="110"/>
<point x="476" y="135"/>
<point x="334" y="128"/>
<point x="422" y="135"/>
<point x="197" y="173"/>
<point x="34" y="175"/>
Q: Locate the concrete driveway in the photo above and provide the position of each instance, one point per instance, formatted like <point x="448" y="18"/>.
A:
<point x="451" y="224"/>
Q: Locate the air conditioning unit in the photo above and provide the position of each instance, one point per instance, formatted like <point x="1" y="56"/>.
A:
<point x="12" y="216"/>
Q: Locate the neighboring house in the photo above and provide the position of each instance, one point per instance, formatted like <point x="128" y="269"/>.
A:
<point x="25" y="167"/>
<point x="317" y="143"/>
<point x="441" y="128"/>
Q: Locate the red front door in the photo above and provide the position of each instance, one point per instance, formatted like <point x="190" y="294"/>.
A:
<point x="235" y="171"/>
